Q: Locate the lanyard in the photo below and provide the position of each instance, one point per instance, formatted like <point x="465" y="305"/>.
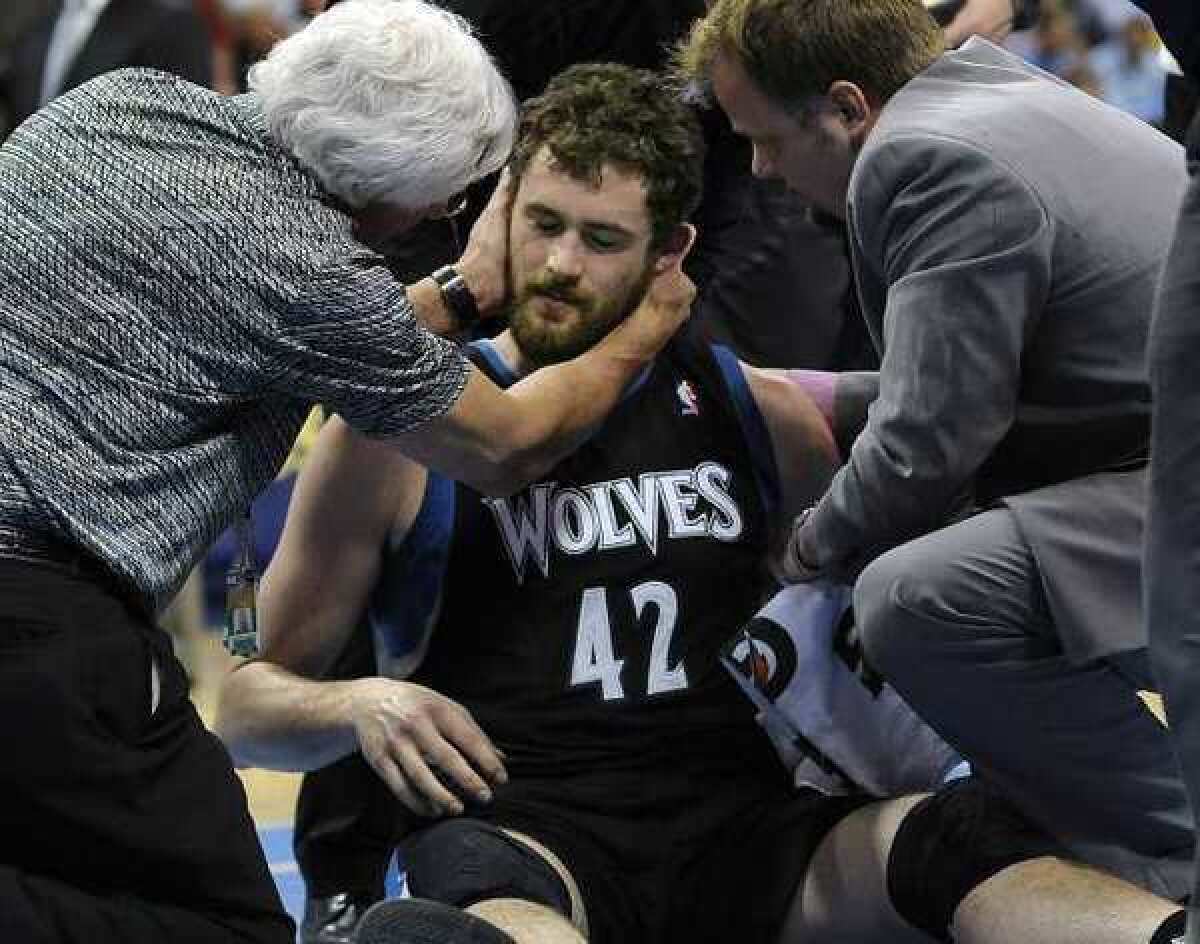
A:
<point x="241" y="592"/>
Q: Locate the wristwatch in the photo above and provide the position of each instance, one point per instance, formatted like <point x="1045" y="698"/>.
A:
<point x="457" y="295"/>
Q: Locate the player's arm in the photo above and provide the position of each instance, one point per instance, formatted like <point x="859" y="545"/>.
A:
<point x="812" y="418"/>
<point x="276" y="711"/>
<point x="806" y="454"/>
<point x="842" y="397"/>
<point x="349" y="494"/>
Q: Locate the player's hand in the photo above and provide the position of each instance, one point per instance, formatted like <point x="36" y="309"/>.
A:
<point x="426" y="747"/>
<point x="663" y="309"/>
<point x="484" y="263"/>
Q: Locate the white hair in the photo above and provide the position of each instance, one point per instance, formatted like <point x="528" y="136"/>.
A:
<point x="388" y="102"/>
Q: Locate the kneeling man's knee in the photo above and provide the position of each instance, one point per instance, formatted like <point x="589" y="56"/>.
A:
<point x="889" y="631"/>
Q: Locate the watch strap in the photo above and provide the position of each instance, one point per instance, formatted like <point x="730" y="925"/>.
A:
<point x="457" y="296"/>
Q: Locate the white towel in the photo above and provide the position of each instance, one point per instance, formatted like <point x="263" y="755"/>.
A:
<point x="836" y="726"/>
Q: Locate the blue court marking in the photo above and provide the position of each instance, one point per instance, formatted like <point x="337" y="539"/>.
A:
<point x="277" y="846"/>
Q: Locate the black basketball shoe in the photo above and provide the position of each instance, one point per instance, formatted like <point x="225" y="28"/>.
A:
<point x="332" y="919"/>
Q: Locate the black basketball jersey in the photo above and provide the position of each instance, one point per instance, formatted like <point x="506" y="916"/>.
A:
<point x="580" y="619"/>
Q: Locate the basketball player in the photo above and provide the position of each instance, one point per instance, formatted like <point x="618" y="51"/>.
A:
<point x="567" y="760"/>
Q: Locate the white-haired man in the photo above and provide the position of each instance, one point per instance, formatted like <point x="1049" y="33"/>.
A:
<point x="184" y="275"/>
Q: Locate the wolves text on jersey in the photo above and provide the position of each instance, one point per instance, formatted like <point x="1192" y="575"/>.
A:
<point x="602" y="516"/>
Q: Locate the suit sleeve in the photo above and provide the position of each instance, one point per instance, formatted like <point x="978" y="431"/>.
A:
<point x="963" y="247"/>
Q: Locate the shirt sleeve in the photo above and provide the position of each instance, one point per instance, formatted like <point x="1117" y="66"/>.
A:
<point x="352" y="342"/>
<point x="962" y="246"/>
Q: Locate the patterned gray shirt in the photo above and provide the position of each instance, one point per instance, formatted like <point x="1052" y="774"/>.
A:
<point x="177" y="291"/>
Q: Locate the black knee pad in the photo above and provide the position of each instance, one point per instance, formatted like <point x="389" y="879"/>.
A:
<point x="952" y="842"/>
<point x="462" y="861"/>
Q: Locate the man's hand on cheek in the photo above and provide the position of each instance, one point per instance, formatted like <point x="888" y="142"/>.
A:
<point x="484" y="263"/>
<point x="664" y="308"/>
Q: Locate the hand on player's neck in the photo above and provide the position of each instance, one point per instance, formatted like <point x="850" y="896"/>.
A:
<point x="516" y="360"/>
<point x="512" y="355"/>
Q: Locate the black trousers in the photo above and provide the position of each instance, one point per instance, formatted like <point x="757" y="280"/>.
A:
<point x="121" y="820"/>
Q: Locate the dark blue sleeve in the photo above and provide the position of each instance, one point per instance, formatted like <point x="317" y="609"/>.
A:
<point x="754" y="427"/>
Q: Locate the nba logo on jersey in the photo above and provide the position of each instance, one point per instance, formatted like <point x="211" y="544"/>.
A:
<point x="689" y="403"/>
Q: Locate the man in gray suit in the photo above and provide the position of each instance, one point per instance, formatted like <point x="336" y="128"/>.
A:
<point x="1007" y="233"/>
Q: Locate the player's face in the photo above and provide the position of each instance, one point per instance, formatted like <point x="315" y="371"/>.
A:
<point x="579" y="258"/>
<point x="813" y="155"/>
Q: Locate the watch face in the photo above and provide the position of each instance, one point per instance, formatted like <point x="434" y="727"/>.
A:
<point x="445" y="275"/>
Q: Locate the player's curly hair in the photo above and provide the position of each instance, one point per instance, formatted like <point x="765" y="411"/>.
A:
<point x="595" y="114"/>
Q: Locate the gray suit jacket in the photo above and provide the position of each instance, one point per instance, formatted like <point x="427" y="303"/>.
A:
<point x="1007" y="231"/>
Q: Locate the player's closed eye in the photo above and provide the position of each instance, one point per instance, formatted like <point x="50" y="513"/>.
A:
<point x="604" y="240"/>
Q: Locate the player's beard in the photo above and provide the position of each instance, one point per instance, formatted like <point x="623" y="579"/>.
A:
<point x="544" y="341"/>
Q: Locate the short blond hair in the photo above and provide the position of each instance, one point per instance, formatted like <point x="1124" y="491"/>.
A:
<point x="795" y="49"/>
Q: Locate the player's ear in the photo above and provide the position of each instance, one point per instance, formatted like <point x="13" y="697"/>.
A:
<point x="676" y="247"/>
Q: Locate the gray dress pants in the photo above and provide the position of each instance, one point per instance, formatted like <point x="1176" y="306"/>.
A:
<point x="957" y="621"/>
<point x="1172" y="553"/>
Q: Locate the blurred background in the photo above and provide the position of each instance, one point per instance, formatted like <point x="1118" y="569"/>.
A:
<point x="1105" y="47"/>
